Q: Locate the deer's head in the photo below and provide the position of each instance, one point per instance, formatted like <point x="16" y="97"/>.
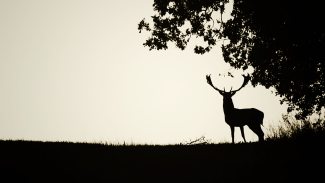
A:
<point x="225" y="94"/>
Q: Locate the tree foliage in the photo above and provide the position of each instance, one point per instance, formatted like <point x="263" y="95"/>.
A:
<point x="178" y="20"/>
<point x="283" y="41"/>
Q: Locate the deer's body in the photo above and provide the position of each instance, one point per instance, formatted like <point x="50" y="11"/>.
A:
<point x="234" y="117"/>
<point x="241" y="117"/>
<point x="251" y="117"/>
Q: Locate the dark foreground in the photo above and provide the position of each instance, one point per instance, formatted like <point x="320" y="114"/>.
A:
<point x="24" y="161"/>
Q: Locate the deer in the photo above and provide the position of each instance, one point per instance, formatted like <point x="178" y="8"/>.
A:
<point x="234" y="117"/>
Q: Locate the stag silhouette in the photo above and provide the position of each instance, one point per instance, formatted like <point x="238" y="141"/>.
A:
<point x="234" y="117"/>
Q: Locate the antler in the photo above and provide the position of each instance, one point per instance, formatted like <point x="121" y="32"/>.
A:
<point x="209" y="81"/>
<point x="246" y="79"/>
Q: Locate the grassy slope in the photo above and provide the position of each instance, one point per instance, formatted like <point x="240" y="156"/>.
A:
<point x="25" y="161"/>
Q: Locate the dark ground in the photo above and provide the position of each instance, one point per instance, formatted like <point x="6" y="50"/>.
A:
<point x="28" y="161"/>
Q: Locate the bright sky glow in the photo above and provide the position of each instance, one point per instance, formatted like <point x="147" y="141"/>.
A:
<point x="76" y="70"/>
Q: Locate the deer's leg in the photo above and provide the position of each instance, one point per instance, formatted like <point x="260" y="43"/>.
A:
<point x="242" y="133"/>
<point x="257" y="129"/>
<point x="260" y="134"/>
<point x="232" y="128"/>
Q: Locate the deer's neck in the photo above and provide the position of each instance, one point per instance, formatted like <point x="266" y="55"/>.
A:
<point x="228" y="105"/>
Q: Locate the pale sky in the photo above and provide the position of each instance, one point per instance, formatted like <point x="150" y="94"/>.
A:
<point x="76" y="70"/>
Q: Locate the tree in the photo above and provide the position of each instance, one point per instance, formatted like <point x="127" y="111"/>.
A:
<point x="283" y="41"/>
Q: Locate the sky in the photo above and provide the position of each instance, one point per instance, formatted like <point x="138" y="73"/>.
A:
<point x="76" y="70"/>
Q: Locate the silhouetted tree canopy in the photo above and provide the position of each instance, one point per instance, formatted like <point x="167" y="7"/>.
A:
<point x="282" y="40"/>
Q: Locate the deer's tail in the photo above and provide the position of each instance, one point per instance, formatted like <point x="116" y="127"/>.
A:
<point x="261" y="118"/>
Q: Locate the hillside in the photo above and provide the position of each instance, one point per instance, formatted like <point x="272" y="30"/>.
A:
<point x="29" y="161"/>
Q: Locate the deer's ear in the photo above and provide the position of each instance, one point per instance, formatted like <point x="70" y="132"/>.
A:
<point x="232" y="94"/>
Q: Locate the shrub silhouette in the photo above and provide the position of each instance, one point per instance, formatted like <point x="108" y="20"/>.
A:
<point x="298" y="130"/>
